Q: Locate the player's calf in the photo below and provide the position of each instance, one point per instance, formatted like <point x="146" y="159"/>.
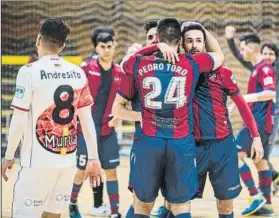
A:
<point x="225" y="208"/>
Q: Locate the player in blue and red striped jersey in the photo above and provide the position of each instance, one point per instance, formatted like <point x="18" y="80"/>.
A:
<point x="260" y="95"/>
<point x="165" y="141"/>
<point x="103" y="78"/>
<point x="216" y="150"/>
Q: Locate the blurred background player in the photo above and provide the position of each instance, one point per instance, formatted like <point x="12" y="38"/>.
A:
<point x="50" y="95"/>
<point x="216" y="150"/>
<point x="103" y="78"/>
<point x="270" y="53"/>
<point x="260" y="95"/>
<point x="166" y="122"/>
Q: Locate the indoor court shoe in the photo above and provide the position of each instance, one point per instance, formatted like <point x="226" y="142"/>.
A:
<point x="73" y="211"/>
<point x="256" y="204"/>
<point x="266" y="210"/>
<point x="103" y="211"/>
<point x="115" y="215"/>
<point x="162" y="212"/>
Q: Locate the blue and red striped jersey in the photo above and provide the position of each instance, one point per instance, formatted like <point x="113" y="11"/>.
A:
<point x="165" y="91"/>
<point x="211" y="120"/>
<point x="103" y="86"/>
<point x="262" y="78"/>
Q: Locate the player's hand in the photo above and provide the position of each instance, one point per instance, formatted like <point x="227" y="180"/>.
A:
<point x="257" y="151"/>
<point x="7" y="164"/>
<point x="134" y="48"/>
<point x="95" y="172"/>
<point x="230" y="32"/>
<point x="169" y="55"/>
<point x="113" y="122"/>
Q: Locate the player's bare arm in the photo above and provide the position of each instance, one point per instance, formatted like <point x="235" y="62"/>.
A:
<point x="257" y="151"/>
<point x="265" y="95"/>
<point x="93" y="166"/>
<point x="120" y="110"/>
<point x="15" y="135"/>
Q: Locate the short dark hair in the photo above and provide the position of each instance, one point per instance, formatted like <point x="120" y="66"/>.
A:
<point x="271" y="46"/>
<point x="250" y="38"/>
<point x="54" y="31"/>
<point x="96" y="32"/>
<point x="150" y="24"/>
<point x="193" y="26"/>
<point x="168" y="31"/>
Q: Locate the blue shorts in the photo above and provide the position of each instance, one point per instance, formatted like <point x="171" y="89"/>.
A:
<point x="108" y="149"/>
<point x="219" y="159"/>
<point x="244" y="142"/>
<point x="166" y="164"/>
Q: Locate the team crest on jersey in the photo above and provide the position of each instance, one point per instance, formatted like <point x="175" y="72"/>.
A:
<point x="266" y="70"/>
<point x="212" y="76"/>
<point x="116" y="79"/>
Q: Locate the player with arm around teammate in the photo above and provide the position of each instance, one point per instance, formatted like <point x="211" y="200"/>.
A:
<point x="51" y="94"/>
<point x="166" y="114"/>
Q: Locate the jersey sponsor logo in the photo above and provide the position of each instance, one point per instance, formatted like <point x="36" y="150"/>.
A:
<point x="233" y="79"/>
<point x="166" y="122"/>
<point x="60" y="75"/>
<point x="19" y="93"/>
<point x="33" y="203"/>
<point x="56" y="128"/>
<point x="212" y="76"/>
<point x="268" y="81"/>
<point x="116" y="79"/>
<point x="94" y="73"/>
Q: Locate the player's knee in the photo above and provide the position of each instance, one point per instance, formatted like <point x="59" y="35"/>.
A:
<point x="141" y="207"/>
<point x="50" y="215"/>
<point x="79" y="177"/>
<point x="225" y="206"/>
<point x="180" y="208"/>
<point x="111" y="174"/>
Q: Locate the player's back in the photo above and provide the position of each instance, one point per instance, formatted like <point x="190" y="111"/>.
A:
<point x="166" y="92"/>
<point x="52" y="90"/>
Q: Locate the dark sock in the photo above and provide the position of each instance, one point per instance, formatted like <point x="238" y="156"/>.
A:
<point x="247" y="178"/>
<point x="265" y="184"/>
<point x="226" y="215"/>
<point x="75" y="192"/>
<point x="183" y="215"/>
<point x="112" y="189"/>
<point x="131" y="212"/>
<point x="98" y="195"/>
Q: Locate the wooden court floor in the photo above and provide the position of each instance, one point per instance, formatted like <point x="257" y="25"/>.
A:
<point x="201" y="208"/>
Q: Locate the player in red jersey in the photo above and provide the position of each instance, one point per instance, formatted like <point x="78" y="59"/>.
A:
<point x="165" y="91"/>
<point x="260" y="95"/>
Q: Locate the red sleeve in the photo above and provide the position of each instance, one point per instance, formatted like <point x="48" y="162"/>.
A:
<point x="85" y="66"/>
<point x="85" y="98"/>
<point x="246" y="114"/>
<point x="267" y="78"/>
<point x="127" y="88"/>
<point x="128" y="64"/>
<point x="204" y="61"/>
<point x="229" y="82"/>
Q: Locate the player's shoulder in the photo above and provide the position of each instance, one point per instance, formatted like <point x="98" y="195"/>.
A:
<point x="30" y="67"/>
<point x="89" y="62"/>
<point x="224" y="71"/>
<point x="265" y="67"/>
<point x="117" y="68"/>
